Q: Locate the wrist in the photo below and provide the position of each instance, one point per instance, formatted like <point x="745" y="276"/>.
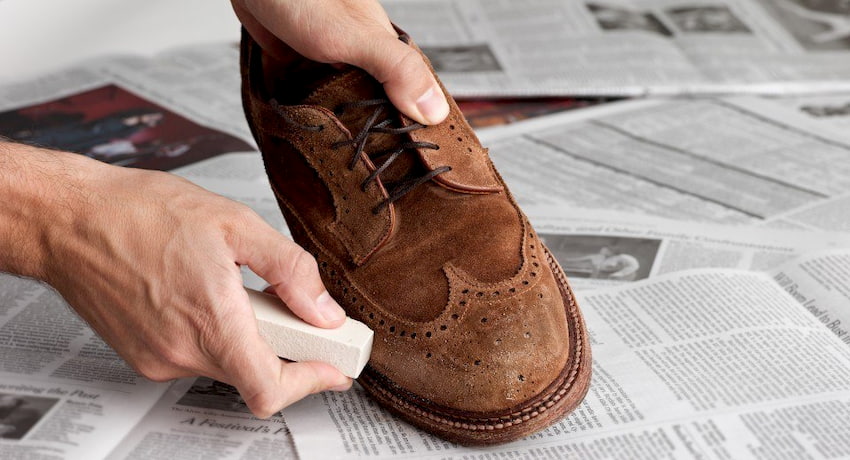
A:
<point x="42" y="195"/>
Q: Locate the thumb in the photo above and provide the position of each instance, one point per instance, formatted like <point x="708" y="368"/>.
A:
<point x="290" y="270"/>
<point x="266" y="383"/>
<point x="355" y="32"/>
<point x="407" y="79"/>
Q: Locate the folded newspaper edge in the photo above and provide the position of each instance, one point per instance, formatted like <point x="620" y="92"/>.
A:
<point x="347" y="347"/>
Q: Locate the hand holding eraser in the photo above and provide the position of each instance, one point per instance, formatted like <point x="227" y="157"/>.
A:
<point x="347" y="347"/>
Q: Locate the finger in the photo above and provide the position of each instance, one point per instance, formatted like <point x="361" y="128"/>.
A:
<point x="406" y="77"/>
<point x="267" y="40"/>
<point x="357" y="33"/>
<point x="291" y="271"/>
<point x="266" y="383"/>
<point x="290" y="383"/>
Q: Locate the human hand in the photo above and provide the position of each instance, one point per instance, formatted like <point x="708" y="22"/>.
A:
<point x="355" y="32"/>
<point x="151" y="262"/>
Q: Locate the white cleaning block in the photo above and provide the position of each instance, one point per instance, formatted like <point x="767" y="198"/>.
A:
<point x="347" y="347"/>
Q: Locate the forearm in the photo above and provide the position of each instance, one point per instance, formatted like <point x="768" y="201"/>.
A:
<point x="39" y="194"/>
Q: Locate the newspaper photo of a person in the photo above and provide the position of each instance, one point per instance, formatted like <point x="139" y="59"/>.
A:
<point x="614" y="18"/>
<point x="603" y="257"/>
<point x="706" y="19"/>
<point x="207" y="393"/>
<point x="19" y="413"/>
<point x="115" y="126"/>
<point x="470" y="58"/>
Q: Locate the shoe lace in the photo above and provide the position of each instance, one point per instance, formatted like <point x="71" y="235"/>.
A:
<point x="372" y="125"/>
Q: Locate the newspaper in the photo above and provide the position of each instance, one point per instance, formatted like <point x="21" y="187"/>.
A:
<point x="599" y="249"/>
<point x="631" y="47"/>
<point x="201" y="417"/>
<point x="829" y="110"/>
<point x="700" y="364"/>
<point x="65" y="394"/>
<point x="192" y="96"/>
<point x="741" y="160"/>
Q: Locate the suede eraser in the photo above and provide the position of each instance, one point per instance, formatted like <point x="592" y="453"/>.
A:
<point x="347" y="347"/>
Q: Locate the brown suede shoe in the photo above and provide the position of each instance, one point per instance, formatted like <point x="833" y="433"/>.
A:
<point x="478" y="338"/>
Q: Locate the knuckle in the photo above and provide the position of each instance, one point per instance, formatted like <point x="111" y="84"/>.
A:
<point x="155" y="372"/>
<point x="238" y="220"/>
<point x="174" y="357"/>
<point x="408" y="65"/>
<point x="263" y="404"/>
<point x="164" y="355"/>
<point x="242" y="216"/>
<point x="298" y="264"/>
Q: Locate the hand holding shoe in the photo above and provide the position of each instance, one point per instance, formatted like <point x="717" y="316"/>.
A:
<point x="355" y="32"/>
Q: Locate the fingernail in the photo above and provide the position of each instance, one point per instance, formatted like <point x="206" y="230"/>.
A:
<point x="328" y="308"/>
<point x="433" y="106"/>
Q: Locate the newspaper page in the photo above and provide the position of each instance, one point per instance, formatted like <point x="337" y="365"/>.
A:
<point x="204" y="418"/>
<point x="704" y="364"/>
<point x="830" y="110"/>
<point x="631" y="47"/>
<point x="176" y="109"/>
<point x="819" y="282"/>
<point x="599" y="249"/>
<point x="743" y="160"/>
<point x="63" y="392"/>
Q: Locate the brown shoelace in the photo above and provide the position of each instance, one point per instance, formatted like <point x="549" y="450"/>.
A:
<point x="397" y="189"/>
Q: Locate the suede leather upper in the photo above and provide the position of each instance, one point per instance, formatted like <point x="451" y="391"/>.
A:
<point x="469" y="310"/>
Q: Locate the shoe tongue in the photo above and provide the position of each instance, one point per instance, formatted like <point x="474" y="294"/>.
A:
<point x="354" y="85"/>
<point x="351" y="85"/>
